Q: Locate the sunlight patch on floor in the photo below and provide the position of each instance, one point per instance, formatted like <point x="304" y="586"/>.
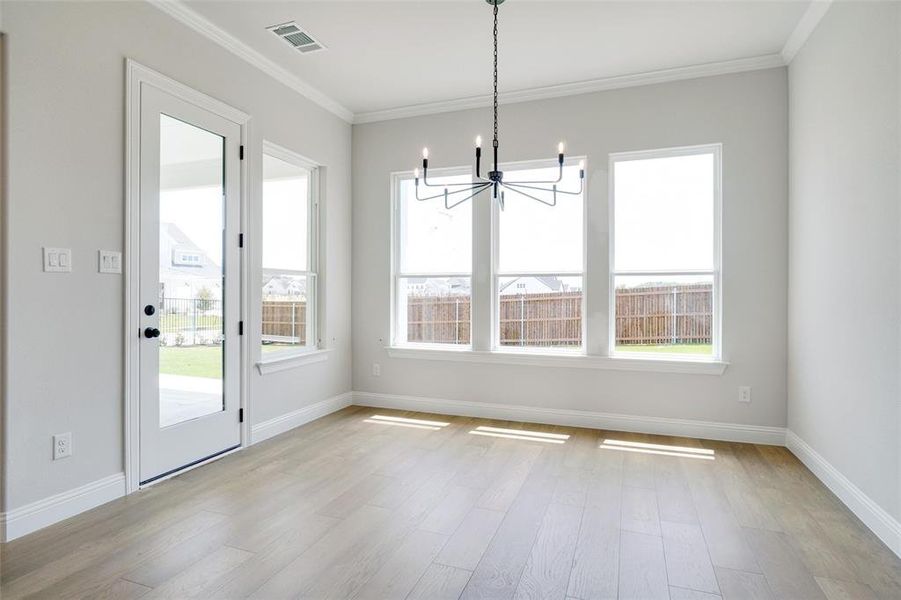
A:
<point x="521" y="434"/>
<point x="406" y="422"/>
<point x="660" y="449"/>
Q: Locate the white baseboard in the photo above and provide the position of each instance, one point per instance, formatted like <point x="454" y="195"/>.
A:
<point x="40" y="514"/>
<point x="272" y="427"/>
<point x="886" y="527"/>
<point x="729" y="432"/>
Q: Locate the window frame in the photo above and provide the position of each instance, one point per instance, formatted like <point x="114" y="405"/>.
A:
<point x="395" y="261"/>
<point x="496" y="274"/>
<point x="716" y="150"/>
<point x="313" y="340"/>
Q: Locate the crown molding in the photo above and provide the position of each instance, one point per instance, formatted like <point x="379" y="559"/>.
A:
<point x="806" y="25"/>
<point x="754" y="63"/>
<point x="180" y="12"/>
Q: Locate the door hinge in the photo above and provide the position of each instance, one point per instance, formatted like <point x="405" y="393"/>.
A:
<point x="240" y="415"/>
<point x="240" y="327"/>
<point x="241" y="152"/>
<point x="240" y="240"/>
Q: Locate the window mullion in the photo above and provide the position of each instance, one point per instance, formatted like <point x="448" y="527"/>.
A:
<point x="483" y="267"/>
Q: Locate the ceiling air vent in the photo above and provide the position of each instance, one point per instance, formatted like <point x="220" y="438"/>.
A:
<point x="299" y="39"/>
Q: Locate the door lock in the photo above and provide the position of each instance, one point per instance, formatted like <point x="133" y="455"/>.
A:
<point x="151" y="332"/>
<point x="149" y="310"/>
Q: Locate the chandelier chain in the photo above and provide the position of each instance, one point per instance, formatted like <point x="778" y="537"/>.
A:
<point x="495" y="74"/>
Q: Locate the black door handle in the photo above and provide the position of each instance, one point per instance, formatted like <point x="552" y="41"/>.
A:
<point x="151" y="332"/>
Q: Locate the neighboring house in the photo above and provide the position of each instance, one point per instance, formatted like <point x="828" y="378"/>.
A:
<point x="278" y="286"/>
<point x="534" y="285"/>
<point x="452" y="286"/>
<point x="185" y="269"/>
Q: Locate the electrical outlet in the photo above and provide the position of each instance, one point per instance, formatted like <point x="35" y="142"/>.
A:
<point x="744" y="393"/>
<point x="62" y="445"/>
<point x="376" y="370"/>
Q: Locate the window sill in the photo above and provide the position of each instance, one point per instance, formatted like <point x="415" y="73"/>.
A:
<point x="283" y="363"/>
<point x="562" y="359"/>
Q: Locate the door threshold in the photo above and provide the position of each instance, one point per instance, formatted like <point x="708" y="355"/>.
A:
<point x="188" y="467"/>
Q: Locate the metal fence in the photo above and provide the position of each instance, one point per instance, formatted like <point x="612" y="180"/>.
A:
<point x="190" y="321"/>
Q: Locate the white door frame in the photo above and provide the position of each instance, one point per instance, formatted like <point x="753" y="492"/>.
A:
<point x="138" y="75"/>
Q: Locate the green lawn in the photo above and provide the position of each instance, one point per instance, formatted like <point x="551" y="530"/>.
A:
<point x="669" y="349"/>
<point x="199" y="361"/>
<point x="193" y="361"/>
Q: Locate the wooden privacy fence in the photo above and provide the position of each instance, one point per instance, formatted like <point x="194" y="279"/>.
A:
<point x="666" y="314"/>
<point x="553" y="319"/>
<point x="284" y="321"/>
<point x="680" y="314"/>
<point x="438" y="319"/>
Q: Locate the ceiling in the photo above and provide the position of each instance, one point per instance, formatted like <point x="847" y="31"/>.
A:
<point x="385" y="55"/>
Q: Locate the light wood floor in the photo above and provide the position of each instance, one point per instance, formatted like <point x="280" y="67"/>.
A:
<point x="344" y="508"/>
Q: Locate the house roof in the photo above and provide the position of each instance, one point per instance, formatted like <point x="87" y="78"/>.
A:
<point x="552" y="283"/>
<point x="173" y="239"/>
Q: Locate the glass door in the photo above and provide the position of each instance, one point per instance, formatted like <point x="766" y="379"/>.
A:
<point x="190" y="278"/>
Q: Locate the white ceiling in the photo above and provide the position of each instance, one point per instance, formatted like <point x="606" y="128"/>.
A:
<point x="385" y="55"/>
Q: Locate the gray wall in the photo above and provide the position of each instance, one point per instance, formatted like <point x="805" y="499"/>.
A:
<point x="66" y="111"/>
<point x="746" y="112"/>
<point x="844" y="293"/>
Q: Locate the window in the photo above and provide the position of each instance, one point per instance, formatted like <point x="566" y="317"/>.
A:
<point x="540" y="265"/>
<point x="289" y="257"/>
<point x="665" y="278"/>
<point x="432" y="264"/>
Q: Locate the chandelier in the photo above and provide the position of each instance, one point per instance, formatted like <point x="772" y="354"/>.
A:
<point x="458" y="193"/>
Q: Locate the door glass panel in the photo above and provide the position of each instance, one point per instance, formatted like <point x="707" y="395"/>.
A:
<point x="191" y="368"/>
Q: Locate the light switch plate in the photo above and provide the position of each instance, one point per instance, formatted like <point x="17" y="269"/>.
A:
<point x="57" y="260"/>
<point x="109" y="261"/>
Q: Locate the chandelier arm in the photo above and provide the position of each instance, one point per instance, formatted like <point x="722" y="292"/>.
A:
<point x="447" y="193"/>
<point x="522" y="193"/>
<point x="443" y="185"/>
<point x="542" y="189"/>
<point x="461" y="201"/>
<point x="558" y="180"/>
